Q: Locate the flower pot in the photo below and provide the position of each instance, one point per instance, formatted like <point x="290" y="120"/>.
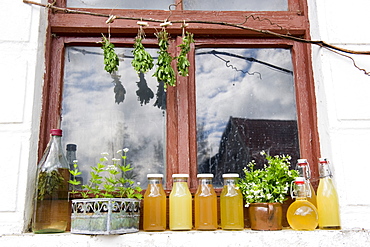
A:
<point x="265" y="216"/>
<point x="105" y="216"/>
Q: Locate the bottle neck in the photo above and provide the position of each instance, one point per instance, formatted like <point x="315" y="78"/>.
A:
<point x="304" y="171"/>
<point x="205" y="181"/>
<point x="155" y="181"/>
<point x="229" y="182"/>
<point x="324" y="170"/>
<point x="178" y="180"/>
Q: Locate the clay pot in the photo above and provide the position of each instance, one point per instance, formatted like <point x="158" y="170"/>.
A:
<point x="265" y="216"/>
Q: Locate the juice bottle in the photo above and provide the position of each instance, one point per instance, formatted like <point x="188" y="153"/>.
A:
<point x="180" y="203"/>
<point x="231" y="204"/>
<point x="327" y="199"/>
<point x="154" y="216"/>
<point x="301" y="214"/>
<point x="304" y="171"/>
<point x="205" y="203"/>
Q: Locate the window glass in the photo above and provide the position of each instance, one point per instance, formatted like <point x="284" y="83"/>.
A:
<point x="105" y="113"/>
<point x="245" y="104"/>
<point x="121" y="4"/>
<point x="236" y="5"/>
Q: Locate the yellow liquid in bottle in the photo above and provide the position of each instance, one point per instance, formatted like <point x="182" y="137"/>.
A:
<point x="205" y="212"/>
<point x="302" y="215"/>
<point x="154" y="216"/>
<point x="180" y="207"/>
<point x="231" y="206"/>
<point x="327" y="205"/>
<point x="313" y="198"/>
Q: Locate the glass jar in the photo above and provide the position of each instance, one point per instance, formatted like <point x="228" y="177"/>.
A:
<point x="304" y="170"/>
<point x="154" y="216"/>
<point x="180" y="203"/>
<point x="205" y="204"/>
<point x="51" y="209"/>
<point x="231" y="204"/>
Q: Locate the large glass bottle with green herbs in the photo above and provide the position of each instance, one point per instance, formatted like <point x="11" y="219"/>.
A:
<point x="51" y="207"/>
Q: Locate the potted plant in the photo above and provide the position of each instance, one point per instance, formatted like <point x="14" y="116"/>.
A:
<point x="111" y="201"/>
<point x="264" y="190"/>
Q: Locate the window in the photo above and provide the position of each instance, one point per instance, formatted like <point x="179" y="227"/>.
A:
<point x="226" y="63"/>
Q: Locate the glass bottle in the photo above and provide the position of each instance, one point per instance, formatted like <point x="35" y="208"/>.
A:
<point x="303" y="169"/>
<point x="51" y="208"/>
<point x="302" y="214"/>
<point x="154" y="216"/>
<point x="231" y="204"/>
<point x="205" y="204"/>
<point x="180" y="203"/>
<point x="327" y="199"/>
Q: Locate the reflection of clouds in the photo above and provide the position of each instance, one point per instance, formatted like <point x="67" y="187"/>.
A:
<point x="92" y="120"/>
<point x="223" y="92"/>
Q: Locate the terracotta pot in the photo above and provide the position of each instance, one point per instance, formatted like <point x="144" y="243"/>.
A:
<point x="265" y="216"/>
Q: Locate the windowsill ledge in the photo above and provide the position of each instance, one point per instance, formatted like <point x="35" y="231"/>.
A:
<point x="286" y="237"/>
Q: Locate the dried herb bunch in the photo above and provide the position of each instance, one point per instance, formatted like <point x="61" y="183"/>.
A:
<point x="183" y="63"/>
<point x="111" y="60"/>
<point x="49" y="182"/>
<point x="143" y="61"/>
<point x="164" y="70"/>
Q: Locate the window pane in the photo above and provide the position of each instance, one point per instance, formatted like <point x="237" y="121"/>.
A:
<point x="104" y="113"/>
<point x="119" y="4"/>
<point x="236" y="5"/>
<point x="245" y="104"/>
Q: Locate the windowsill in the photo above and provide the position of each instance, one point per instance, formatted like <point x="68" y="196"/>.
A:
<point x="247" y="237"/>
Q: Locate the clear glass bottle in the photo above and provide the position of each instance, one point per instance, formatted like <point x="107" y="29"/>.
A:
<point x="304" y="170"/>
<point x="231" y="204"/>
<point x="180" y="203"/>
<point x="51" y="208"/>
<point x="154" y="216"/>
<point x="205" y="204"/>
<point x="327" y="199"/>
<point x="302" y="214"/>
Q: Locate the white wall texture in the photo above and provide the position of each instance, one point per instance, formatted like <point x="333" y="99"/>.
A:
<point x="341" y="93"/>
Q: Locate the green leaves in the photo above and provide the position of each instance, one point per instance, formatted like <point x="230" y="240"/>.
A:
<point x="183" y="63"/>
<point x="270" y="184"/>
<point x="164" y="71"/>
<point x="143" y="61"/>
<point x="111" y="60"/>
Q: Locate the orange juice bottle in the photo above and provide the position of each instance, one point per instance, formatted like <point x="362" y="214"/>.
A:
<point x="327" y="199"/>
<point x="154" y="216"/>
<point x="231" y="204"/>
<point x="205" y="204"/>
<point x="304" y="171"/>
<point x="301" y="214"/>
<point x="180" y="203"/>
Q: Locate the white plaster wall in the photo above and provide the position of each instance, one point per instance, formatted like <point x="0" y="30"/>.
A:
<point x="21" y="69"/>
<point x="343" y="101"/>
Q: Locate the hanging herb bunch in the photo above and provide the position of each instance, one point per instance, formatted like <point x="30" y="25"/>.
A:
<point x="143" y="61"/>
<point x="183" y="63"/>
<point x="111" y="60"/>
<point x="164" y="70"/>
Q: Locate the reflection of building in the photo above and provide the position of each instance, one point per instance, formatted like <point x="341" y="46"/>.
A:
<point x="244" y="139"/>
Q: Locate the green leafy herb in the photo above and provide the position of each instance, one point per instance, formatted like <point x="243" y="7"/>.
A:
<point x="111" y="60"/>
<point x="48" y="183"/>
<point x="164" y="70"/>
<point x="183" y="63"/>
<point x="143" y="61"/>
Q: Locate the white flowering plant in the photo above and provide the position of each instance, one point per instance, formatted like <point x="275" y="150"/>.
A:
<point x="270" y="184"/>
<point x="108" y="180"/>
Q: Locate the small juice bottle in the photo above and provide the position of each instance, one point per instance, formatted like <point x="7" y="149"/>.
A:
<point x="302" y="214"/>
<point x="205" y="203"/>
<point x="327" y="199"/>
<point x="154" y="216"/>
<point x="304" y="171"/>
<point x="231" y="204"/>
<point x="180" y="203"/>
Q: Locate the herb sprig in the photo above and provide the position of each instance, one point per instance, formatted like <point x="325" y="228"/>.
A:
<point x="183" y="63"/>
<point x="111" y="60"/>
<point x="143" y="61"/>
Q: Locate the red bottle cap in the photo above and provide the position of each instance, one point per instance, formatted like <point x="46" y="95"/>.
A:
<point x="56" y="132"/>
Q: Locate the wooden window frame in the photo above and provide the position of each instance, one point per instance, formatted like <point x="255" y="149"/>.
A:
<point x="74" y="29"/>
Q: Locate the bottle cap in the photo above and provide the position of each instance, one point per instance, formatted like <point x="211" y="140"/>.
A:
<point x="323" y="160"/>
<point x="302" y="161"/>
<point x="299" y="180"/>
<point x="154" y="175"/>
<point x="230" y="175"/>
<point x="180" y="175"/>
<point x="71" y="147"/>
<point x="56" y="132"/>
<point x="205" y="175"/>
